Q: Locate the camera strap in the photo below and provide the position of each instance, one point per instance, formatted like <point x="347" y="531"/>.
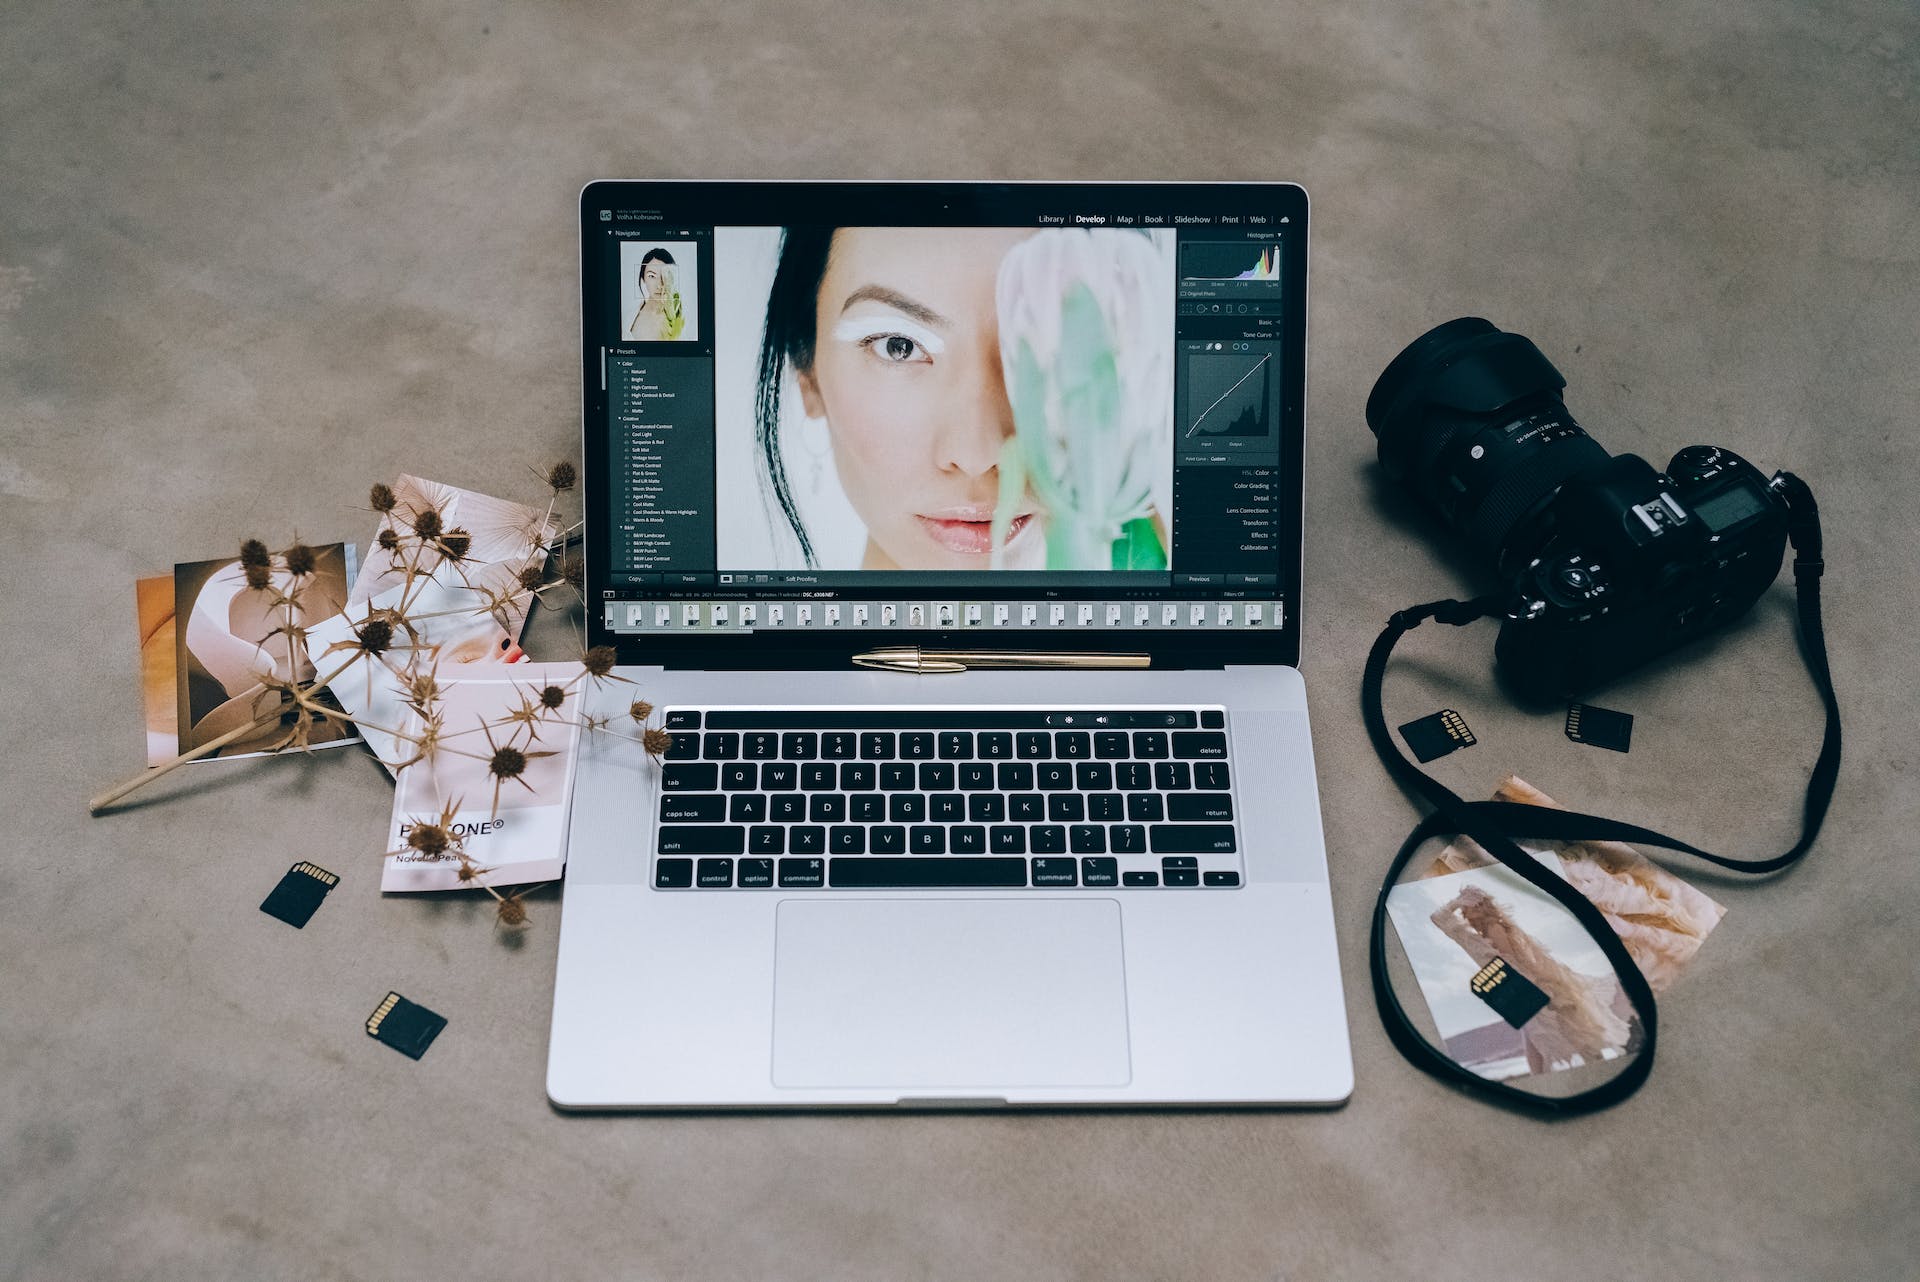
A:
<point x="1496" y="825"/>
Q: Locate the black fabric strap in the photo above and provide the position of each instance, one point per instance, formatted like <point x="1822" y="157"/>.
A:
<point x="1496" y="825"/>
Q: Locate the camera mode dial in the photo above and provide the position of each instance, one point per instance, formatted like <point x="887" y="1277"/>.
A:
<point x="1574" y="585"/>
<point x="1698" y="463"/>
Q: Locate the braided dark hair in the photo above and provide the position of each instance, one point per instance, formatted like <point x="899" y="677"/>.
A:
<point x="790" y="337"/>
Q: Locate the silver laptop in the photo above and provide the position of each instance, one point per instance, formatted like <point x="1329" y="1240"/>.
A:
<point x="953" y="533"/>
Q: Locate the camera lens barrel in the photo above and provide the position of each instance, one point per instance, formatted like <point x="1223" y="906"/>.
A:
<point x="1471" y="418"/>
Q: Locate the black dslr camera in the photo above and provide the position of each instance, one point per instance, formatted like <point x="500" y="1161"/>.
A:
<point x="1610" y="562"/>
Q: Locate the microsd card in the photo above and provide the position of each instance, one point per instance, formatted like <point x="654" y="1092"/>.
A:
<point x="1434" y="737"/>
<point x="1513" y="996"/>
<point x="406" y="1026"/>
<point x="299" y="894"/>
<point x="1601" y="727"/>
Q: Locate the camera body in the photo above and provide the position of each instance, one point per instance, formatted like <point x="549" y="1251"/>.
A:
<point x="1640" y="562"/>
<point x="1609" y="562"/>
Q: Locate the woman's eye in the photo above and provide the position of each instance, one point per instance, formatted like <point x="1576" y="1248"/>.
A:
<point x="895" y="349"/>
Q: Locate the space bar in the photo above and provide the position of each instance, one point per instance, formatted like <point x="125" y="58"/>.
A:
<point x="871" y="872"/>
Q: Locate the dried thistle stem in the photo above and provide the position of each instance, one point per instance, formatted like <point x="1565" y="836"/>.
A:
<point x="114" y="794"/>
<point x="147" y="776"/>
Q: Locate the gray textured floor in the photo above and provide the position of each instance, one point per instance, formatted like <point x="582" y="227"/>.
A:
<point x="251" y="262"/>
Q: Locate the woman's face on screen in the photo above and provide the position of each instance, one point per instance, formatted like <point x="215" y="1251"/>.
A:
<point x="653" y="280"/>
<point x="906" y="372"/>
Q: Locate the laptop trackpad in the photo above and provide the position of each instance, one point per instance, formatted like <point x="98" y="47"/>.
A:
<point x="960" y="993"/>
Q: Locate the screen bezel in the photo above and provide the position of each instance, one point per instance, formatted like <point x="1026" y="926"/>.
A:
<point x="776" y="203"/>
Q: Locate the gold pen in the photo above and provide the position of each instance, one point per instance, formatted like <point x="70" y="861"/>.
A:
<point x="912" y="658"/>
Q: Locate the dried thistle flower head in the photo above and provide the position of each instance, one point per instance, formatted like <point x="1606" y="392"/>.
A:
<point x="301" y="559"/>
<point x="375" y="636"/>
<point x="561" y="476"/>
<point x="552" y="697"/>
<point x="640" y="711"/>
<point x="468" y="870"/>
<point x="656" y="741"/>
<point x="381" y="497"/>
<point x="510" y="911"/>
<point x="508" y="762"/>
<point x="389" y="538"/>
<point x="423" y="689"/>
<point x="454" y="544"/>
<point x="254" y="552"/>
<point x="426" y="523"/>
<point x="533" y="577"/>
<point x="573" y="570"/>
<point x="258" y="576"/>
<point x="599" y="661"/>
<point x="430" y="839"/>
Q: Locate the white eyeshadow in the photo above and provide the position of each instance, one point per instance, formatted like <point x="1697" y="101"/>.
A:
<point x="854" y="329"/>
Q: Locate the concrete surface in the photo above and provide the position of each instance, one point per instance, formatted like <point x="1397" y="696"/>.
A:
<point x="253" y="258"/>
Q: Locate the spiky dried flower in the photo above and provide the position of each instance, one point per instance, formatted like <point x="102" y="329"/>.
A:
<point x="656" y="741"/>
<point x="426" y="523"/>
<point x="381" y="497"/>
<point x="552" y="697"/>
<point x="527" y="715"/>
<point x="533" y="577"/>
<point x="254" y="552"/>
<point x="510" y="911"/>
<point x="469" y="870"/>
<point x="573" y="571"/>
<point x="599" y="661"/>
<point x="423" y="689"/>
<point x="508" y="762"/>
<point x="375" y="636"/>
<point x="258" y="576"/>
<point x="640" y="711"/>
<point x="431" y="839"/>
<point x="561" y="476"/>
<point x="389" y="538"/>
<point x="301" y="560"/>
<point x="454" y="544"/>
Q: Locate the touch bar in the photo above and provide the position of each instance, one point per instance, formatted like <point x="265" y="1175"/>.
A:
<point x="949" y="719"/>
<point x="905" y="873"/>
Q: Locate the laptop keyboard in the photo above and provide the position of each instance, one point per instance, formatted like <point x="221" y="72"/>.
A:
<point x="964" y="798"/>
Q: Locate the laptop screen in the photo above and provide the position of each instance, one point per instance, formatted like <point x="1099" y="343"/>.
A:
<point x="1025" y="411"/>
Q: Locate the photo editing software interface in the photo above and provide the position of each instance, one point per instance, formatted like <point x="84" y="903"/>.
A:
<point x="1066" y="418"/>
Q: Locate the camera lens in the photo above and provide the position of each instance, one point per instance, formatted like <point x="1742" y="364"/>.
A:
<point x="1471" y="418"/>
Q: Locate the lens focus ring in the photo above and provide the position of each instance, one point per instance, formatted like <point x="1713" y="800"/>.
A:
<point x="1524" y="485"/>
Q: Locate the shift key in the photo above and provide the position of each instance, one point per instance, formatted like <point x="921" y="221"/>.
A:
<point x="1189" y="839"/>
<point x="703" y="839"/>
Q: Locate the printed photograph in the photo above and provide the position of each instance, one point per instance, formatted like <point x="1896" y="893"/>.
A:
<point x="659" y="291"/>
<point x="1515" y="985"/>
<point x="228" y="636"/>
<point x="1661" y="919"/>
<point x="943" y="398"/>
<point x="472" y="609"/>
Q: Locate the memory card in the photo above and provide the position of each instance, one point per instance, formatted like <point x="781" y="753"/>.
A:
<point x="299" y="894"/>
<point x="1601" y="727"/>
<point x="1513" y="996"/>
<point x="406" y="1026"/>
<point x="1435" y="736"/>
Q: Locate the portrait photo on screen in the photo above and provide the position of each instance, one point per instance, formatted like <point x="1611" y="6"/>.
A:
<point x="937" y="398"/>
<point x="659" y="291"/>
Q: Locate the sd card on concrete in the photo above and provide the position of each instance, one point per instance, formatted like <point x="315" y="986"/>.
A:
<point x="406" y="1026"/>
<point x="299" y="894"/>
<point x="1434" y="737"/>
<point x="1600" y="727"/>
